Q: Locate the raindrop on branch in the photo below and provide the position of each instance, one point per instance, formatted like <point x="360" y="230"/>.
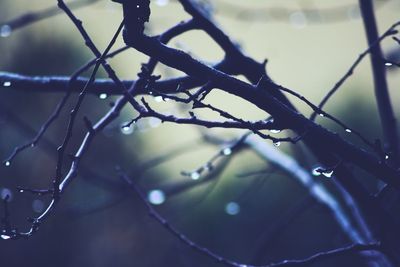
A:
<point x="327" y="174"/>
<point x="275" y="131"/>
<point x="103" y="96"/>
<point x="126" y="130"/>
<point x="7" y="163"/>
<point x="5" y="237"/>
<point x="195" y="175"/>
<point x="388" y="64"/>
<point x="318" y="171"/>
<point x="7" y="84"/>
<point x="227" y="151"/>
<point x="348" y="130"/>
<point x="158" y="99"/>
<point x="277" y="143"/>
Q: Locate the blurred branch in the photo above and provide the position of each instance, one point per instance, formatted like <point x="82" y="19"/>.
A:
<point x="310" y="14"/>
<point x="386" y="113"/>
<point x="220" y="259"/>
<point x="32" y="17"/>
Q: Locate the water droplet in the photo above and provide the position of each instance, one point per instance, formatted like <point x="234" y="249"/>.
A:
<point x="195" y="175"/>
<point x="298" y="19"/>
<point x="327" y="174"/>
<point x="162" y="2"/>
<point x="275" y="131"/>
<point x="388" y="64"/>
<point x="322" y="114"/>
<point x="386" y="156"/>
<point x="21" y="190"/>
<point x="7" y="84"/>
<point x="154" y="122"/>
<point x="5" y="31"/>
<point x="125" y="129"/>
<point x="348" y="130"/>
<point x="156" y="197"/>
<point x="208" y="167"/>
<point x="227" y="151"/>
<point x="353" y="13"/>
<point x="232" y="208"/>
<point x="158" y="99"/>
<point x="7" y="163"/>
<point x="5" y="237"/>
<point x="6" y="193"/>
<point x="316" y="171"/>
<point x="137" y="6"/>
<point x="38" y="206"/>
<point x="277" y="143"/>
<point x="103" y="96"/>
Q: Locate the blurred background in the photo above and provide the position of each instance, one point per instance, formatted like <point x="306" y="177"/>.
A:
<point x="246" y="209"/>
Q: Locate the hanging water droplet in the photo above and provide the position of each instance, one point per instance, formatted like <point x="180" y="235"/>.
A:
<point x="158" y="99"/>
<point x="143" y="125"/>
<point x="195" y="175"/>
<point x="6" y="193"/>
<point x="277" y="143"/>
<point x="208" y="167"/>
<point x="7" y="84"/>
<point x="348" y="130"/>
<point x="316" y="171"/>
<point x="7" y="163"/>
<point x="5" y="237"/>
<point x="126" y="130"/>
<point x="162" y="2"/>
<point x="5" y="30"/>
<point x="353" y="13"/>
<point x="388" y="64"/>
<point x="154" y="122"/>
<point x="232" y="208"/>
<point x="21" y="190"/>
<point x="298" y="19"/>
<point x="103" y="96"/>
<point x="156" y="197"/>
<point x="38" y="205"/>
<point x="386" y="156"/>
<point x="275" y="131"/>
<point x="322" y="114"/>
<point x="227" y="151"/>
<point x="327" y="174"/>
